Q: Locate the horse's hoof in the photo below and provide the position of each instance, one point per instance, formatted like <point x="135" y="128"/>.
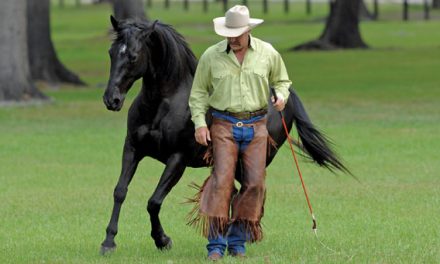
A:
<point x="164" y="243"/>
<point x="107" y="249"/>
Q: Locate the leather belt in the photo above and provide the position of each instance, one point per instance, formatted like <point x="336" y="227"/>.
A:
<point x="243" y="115"/>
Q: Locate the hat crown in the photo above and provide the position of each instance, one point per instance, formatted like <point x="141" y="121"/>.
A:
<point x="237" y="16"/>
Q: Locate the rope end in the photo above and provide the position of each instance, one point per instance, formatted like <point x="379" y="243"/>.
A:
<point x="314" y="227"/>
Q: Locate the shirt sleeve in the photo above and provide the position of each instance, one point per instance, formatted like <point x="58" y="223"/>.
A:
<point x="278" y="78"/>
<point x="198" y="99"/>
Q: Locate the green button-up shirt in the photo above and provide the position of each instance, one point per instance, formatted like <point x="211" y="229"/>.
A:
<point x="222" y="83"/>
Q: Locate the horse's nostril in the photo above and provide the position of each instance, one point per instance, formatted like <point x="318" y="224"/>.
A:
<point x="116" y="101"/>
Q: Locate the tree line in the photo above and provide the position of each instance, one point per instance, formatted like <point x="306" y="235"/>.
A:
<point x="27" y="52"/>
<point x="427" y="4"/>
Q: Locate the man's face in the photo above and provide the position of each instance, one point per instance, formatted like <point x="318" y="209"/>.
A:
<point x="240" y="42"/>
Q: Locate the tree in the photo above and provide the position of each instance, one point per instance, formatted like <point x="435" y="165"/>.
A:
<point x="123" y="9"/>
<point x="15" y="78"/>
<point x="100" y="1"/>
<point x="341" y="30"/>
<point x="364" y="13"/>
<point x="44" y="62"/>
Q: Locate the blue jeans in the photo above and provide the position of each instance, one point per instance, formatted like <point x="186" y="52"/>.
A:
<point x="235" y="241"/>
<point x="236" y="236"/>
<point x="242" y="135"/>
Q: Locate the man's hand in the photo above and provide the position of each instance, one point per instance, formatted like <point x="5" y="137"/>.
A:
<point x="279" y="103"/>
<point x="202" y="136"/>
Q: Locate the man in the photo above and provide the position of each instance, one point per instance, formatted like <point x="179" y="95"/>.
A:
<point x="232" y="80"/>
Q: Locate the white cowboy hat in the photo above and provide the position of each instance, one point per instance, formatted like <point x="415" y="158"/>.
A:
<point x="235" y="22"/>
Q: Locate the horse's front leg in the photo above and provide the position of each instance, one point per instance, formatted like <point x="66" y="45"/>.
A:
<point x="129" y="164"/>
<point x="174" y="169"/>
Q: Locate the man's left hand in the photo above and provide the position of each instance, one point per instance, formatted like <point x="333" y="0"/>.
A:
<point x="279" y="104"/>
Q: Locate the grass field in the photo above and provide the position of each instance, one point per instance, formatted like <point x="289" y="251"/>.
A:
<point x="59" y="161"/>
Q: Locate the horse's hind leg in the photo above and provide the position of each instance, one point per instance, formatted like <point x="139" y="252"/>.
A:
<point x="129" y="165"/>
<point x="171" y="175"/>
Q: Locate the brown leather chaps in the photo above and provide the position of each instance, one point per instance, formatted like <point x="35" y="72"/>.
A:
<point x="219" y="205"/>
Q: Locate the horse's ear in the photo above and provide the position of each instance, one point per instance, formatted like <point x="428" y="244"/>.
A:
<point x="115" y="23"/>
<point x="153" y="27"/>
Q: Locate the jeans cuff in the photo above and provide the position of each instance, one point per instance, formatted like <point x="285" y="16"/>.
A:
<point x="236" y="250"/>
<point x="215" y="250"/>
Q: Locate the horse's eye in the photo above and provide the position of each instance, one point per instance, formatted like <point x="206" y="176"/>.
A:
<point x="132" y="58"/>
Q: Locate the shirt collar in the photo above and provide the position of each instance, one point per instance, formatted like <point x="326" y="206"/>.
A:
<point x="224" y="47"/>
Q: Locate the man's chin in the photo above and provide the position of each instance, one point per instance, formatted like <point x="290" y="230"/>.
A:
<point x="236" y="47"/>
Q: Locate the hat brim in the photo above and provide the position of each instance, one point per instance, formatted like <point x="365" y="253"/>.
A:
<point x="222" y="30"/>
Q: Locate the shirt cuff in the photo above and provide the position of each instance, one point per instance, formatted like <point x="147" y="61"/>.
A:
<point x="199" y="121"/>
<point x="283" y="93"/>
<point x="280" y="96"/>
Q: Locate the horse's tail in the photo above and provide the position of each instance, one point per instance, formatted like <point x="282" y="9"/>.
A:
<point x="314" y="143"/>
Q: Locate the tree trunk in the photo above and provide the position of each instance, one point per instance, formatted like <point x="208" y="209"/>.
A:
<point x="265" y="7"/>
<point x="43" y="59"/>
<point x="405" y="15"/>
<point x="376" y="9"/>
<point x="341" y="30"/>
<point x="124" y="9"/>
<point x="15" y="77"/>
<point x="100" y="1"/>
<point x="308" y="7"/>
<point x="364" y="13"/>
<point x="425" y="9"/>
<point x="225" y="5"/>
<point x="205" y="6"/>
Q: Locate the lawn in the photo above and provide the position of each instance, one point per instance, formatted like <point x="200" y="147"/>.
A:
<point x="59" y="162"/>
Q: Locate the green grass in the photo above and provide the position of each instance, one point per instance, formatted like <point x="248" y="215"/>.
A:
<point x="59" y="162"/>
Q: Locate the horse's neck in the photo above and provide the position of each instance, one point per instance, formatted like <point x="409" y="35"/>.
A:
<point x="159" y="84"/>
<point x="150" y="91"/>
<point x="156" y="87"/>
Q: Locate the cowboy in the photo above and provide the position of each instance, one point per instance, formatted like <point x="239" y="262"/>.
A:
<point x="232" y="81"/>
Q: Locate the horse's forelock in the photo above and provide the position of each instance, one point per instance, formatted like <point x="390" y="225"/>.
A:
<point x="132" y="28"/>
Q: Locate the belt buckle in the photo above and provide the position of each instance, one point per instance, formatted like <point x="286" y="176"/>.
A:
<point x="239" y="124"/>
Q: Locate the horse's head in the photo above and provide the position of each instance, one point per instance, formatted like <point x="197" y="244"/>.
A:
<point x="129" y="57"/>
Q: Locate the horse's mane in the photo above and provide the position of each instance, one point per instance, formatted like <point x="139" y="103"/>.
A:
<point x="177" y="57"/>
<point x="172" y="57"/>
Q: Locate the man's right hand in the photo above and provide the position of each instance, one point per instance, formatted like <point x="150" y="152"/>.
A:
<point x="202" y="136"/>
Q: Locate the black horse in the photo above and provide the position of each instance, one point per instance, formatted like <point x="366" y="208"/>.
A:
<point x="159" y="123"/>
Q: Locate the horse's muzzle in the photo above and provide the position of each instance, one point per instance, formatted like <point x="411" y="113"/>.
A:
<point x="115" y="102"/>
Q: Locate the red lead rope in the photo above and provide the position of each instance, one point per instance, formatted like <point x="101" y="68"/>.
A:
<point x="299" y="172"/>
<point x="314" y="228"/>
